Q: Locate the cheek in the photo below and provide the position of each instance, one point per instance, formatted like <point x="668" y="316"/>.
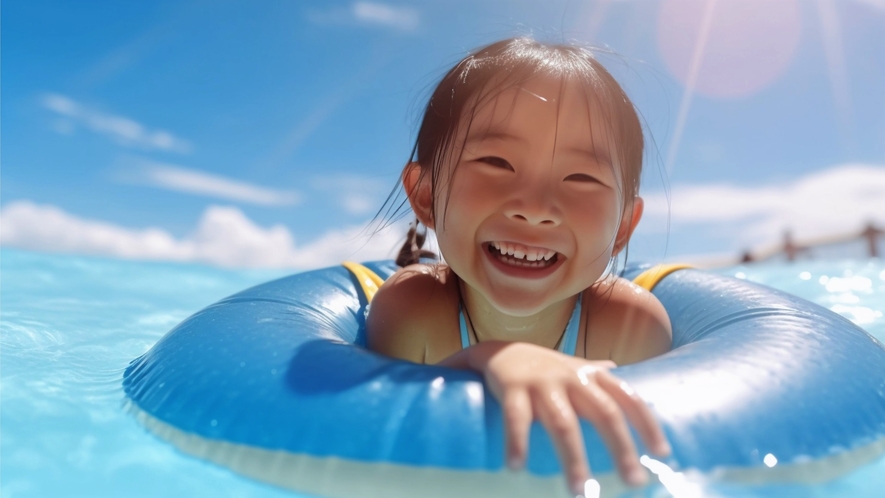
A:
<point x="598" y="218"/>
<point x="455" y="221"/>
<point x="467" y="197"/>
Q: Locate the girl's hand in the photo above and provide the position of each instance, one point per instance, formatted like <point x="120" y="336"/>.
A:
<point x="535" y="382"/>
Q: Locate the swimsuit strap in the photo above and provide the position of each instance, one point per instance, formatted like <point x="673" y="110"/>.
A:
<point x="465" y="339"/>
<point x="567" y="344"/>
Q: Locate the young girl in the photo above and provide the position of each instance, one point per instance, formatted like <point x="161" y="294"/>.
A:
<point x="527" y="167"/>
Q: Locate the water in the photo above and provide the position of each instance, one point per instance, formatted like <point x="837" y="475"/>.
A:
<point x="70" y="325"/>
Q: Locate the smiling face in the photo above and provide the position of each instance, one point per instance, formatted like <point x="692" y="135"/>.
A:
<point x="533" y="209"/>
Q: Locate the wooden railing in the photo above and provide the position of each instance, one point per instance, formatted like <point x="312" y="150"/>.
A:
<point x="870" y="242"/>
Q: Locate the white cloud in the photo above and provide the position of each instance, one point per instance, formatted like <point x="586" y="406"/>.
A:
<point x="404" y="18"/>
<point x="223" y="237"/>
<point x="359" y="204"/>
<point x="837" y="200"/>
<point x="356" y="194"/>
<point x="370" y="14"/>
<point x="172" y="177"/>
<point x="124" y="131"/>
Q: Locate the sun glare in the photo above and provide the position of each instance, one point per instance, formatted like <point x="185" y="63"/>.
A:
<point x="748" y="46"/>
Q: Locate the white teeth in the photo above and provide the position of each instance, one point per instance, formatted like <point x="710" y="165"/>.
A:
<point x="519" y="252"/>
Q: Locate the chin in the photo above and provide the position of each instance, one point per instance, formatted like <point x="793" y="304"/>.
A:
<point x="519" y="303"/>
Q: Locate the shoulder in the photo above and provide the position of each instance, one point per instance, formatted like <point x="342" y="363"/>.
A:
<point x="635" y="323"/>
<point x="404" y="310"/>
<point x="417" y="286"/>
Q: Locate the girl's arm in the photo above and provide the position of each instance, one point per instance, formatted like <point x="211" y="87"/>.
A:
<point x="529" y="381"/>
<point x="625" y="323"/>
<point x="535" y="382"/>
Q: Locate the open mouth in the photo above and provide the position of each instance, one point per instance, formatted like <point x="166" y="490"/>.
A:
<point x="521" y="256"/>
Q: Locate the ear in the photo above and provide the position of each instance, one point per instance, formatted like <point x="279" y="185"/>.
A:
<point x="632" y="215"/>
<point x="420" y="193"/>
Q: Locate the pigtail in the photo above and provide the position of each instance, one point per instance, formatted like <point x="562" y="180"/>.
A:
<point x="411" y="251"/>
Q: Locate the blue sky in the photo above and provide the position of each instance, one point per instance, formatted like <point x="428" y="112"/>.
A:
<point x="269" y="133"/>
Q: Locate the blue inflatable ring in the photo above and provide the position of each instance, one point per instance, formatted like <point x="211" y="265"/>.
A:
<point x="272" y="383"/>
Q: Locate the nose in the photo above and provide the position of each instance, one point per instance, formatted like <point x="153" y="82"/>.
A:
<point x="535" y="206"/>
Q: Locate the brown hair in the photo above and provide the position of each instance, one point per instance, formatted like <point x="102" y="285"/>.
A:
<point x="488" y="71"/>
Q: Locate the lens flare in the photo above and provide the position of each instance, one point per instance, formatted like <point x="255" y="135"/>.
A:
<point x="748" y="46"/>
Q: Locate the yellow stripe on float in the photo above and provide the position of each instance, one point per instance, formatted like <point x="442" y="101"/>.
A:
<point x="650" y="278"/>
<point x="369" y="280"/>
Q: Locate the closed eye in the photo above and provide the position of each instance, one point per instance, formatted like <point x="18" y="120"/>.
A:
<point x="496" y="162"/>
<point x="581" y="177"/>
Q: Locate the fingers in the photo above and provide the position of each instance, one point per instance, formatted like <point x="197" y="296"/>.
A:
<point x="607" y="402"/>
<point x="554" y="410"/>
<point x="602" y="410"/>
<point x="548" y="389"/>
<point x="517" y="422"/>
<point x="637" y="412"/>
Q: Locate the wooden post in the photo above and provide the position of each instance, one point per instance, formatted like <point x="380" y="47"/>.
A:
<point x="871" y="233"/>
<point x="790" y="248"/>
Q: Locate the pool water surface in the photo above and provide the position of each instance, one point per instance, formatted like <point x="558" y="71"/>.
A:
<point x="69" y="326"/>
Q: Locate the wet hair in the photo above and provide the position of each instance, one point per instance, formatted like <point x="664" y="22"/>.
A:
<point x="412" y="250"/>
<point x="487" y="72"/>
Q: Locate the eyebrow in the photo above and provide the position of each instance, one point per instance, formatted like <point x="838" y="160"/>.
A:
<point x="592" y="154"/>
<point x="494" y="135"/>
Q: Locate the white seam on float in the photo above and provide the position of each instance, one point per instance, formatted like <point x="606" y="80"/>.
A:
<point x="804" y="470"/>
<point x="341" y="478"/>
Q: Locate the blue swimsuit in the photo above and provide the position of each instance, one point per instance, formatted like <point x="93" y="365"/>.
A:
<point x="567" y="344"/>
